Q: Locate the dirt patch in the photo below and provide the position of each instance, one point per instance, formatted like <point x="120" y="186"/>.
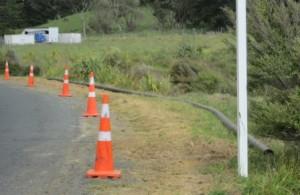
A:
<point x="153" y="146"/>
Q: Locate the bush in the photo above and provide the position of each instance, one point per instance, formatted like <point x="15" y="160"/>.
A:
<point x="274" y="28"/>
<point x="274" y="55"/>
<point x="118" y="15"/>
<point x="183" y="74"/>
<point x="187" y="77"/>
<point x="278" y="115"/>
<point x="150" y="83"/>
<point x="11" y="56"/>
<point x="205" y="82"/>
<point x="114" y="58"/>
<point x="15" y="69"/>
<point x="188" y="50"/>
<point x="82" y="70"/>
<point x="25" y="70"/>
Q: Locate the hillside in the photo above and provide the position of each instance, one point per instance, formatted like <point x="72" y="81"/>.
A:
<point x="73" y="23"/>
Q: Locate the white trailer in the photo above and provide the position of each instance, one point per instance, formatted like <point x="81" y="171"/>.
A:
<point x="19" y="39"/>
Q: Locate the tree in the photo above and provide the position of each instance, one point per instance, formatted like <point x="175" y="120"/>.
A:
<point x="82" y="7"/>
<point x="12" y="16"/>
<point x="38" y="12"/>
<point x="205" y="14"/>
<point x="115" y="15"/>
<point x="274" y="71"/>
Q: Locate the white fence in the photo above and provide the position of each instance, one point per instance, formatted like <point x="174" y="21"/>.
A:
<point x="69" y="38"/>
<point x="19" y="39"/>
<point x="22" y="39"/>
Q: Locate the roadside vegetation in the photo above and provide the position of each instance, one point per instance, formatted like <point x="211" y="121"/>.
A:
<point x="159" y="47"/>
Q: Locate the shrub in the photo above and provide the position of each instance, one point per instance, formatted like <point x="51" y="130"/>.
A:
<point x="114" y="58"/>
<point x="150" y="83"/>
<point x="205" y="82"/>
<point x="15" y="68"/>
<point x="82" y="70"/>
<point x="25" y="70"/>
<point x="115" y="15"/>
<point x="188" y="50"/>
<point x="274" y="55"/>
<point x="11" y="56"/>
<point x="166" y="17"/>
<point x="278" y="115"/>
<point x="183" y="74"/>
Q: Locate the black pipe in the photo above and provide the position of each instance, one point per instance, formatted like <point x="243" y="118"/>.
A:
<point x="225" y="121"/>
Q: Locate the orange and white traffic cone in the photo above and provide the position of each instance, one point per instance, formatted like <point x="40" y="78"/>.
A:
<point x="92" y="110"/>
<point x="31" y="77"/>
<point x="104" y="165"/>
<point x="6" y="72"/>
<point x="66" y="87"/>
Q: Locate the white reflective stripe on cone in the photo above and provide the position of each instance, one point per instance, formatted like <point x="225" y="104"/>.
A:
<point x="104" y="136"/>
<point x="105" y="111"/>
<point x="31" y="68"/>
<point x="66" y="81"/>
<point x="31" y="74"/>
<point x="92" y="81"/>
<point x="6" y="70"/>
<point x="92" y="94"/>
<point x="66" y="72"/>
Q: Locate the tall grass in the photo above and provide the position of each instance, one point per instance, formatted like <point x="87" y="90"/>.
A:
<point x="128" y="53"/>
<point x="274" y="176"/>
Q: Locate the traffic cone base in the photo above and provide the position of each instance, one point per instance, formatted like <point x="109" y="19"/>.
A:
<point x="91" y="108"/>
<point x="90" y="114"/>
<point x="6" y="77"/>
<point x="114" y="174"/>
<point x="30" y="83"/>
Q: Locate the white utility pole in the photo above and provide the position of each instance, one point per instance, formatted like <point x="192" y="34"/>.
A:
<point x="242" y="114"/>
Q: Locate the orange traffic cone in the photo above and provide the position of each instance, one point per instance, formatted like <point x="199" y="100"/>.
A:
<point x="6" y="72"/>
<point x="66" y="88"/>
<point x="104" y="165"/>
<point x="92" y="110"/>
<point x="31" y="77"/>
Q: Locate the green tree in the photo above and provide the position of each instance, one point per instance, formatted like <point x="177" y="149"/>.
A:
<point x="115" y="15"/>
<point x="205" y="14"/>
<point x="12" y="16"/>
<point x="274" y="71"/>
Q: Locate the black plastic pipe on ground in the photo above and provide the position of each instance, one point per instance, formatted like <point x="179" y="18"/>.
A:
<point x="219" y="115"/>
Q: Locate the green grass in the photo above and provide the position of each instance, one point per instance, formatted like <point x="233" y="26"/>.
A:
<point x="143" y="46"/>
<point x="72" y="23"/>
<point x="152" y="50"/>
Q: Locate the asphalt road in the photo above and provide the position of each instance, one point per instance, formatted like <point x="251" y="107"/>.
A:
<point x="37" y="133"/>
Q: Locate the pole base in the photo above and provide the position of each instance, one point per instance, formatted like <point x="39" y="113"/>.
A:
<point x="114" y="174"/>
<point x="90" y="114"/>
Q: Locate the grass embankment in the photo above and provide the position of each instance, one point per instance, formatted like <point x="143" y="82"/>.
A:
<point x="141" y="61"/>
